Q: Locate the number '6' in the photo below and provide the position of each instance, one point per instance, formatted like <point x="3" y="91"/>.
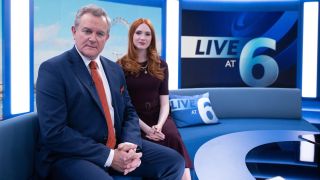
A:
<point x="247" y="61"/>
<point x="205" y="110"/>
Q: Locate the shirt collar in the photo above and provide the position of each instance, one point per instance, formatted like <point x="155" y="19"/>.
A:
<point x="87" y="60"/>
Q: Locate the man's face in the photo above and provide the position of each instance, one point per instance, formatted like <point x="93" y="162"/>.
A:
<point x="91" y="35"/>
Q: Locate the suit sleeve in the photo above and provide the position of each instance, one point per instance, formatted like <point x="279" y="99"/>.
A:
<point x="55" y="134"/>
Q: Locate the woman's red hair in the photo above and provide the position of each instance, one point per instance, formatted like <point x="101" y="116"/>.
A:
<point x="129" y="61"/>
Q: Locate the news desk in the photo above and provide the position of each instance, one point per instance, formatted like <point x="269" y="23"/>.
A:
<point x="223" y="158"/>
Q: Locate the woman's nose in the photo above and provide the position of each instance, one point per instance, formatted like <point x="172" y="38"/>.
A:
<point x="142" y="37"/>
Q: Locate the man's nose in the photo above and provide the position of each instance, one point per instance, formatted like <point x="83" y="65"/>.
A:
<point x="93" y="37"/>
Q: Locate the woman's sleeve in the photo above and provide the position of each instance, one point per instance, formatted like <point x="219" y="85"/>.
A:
<point x="163" y="90"/>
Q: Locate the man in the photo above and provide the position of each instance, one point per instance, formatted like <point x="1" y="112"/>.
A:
<point x="74" y="126"/>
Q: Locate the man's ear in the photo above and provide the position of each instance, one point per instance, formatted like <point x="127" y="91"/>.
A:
<point x="107" y="36"/>
<point x="73" y="30"/>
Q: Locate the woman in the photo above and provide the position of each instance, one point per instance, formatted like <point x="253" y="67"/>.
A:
<point x="147" y="81"/>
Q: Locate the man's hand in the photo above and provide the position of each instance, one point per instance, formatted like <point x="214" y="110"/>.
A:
<point x="134" y="163"/>
<point x="125" y="158"/>
<point x="127" y="146"/>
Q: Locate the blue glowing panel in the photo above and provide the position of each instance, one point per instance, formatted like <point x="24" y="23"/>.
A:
<point x="52" y="28"/>
<point x="238" y="49"/>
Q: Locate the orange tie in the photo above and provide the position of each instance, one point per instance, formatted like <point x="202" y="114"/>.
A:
<point x="111" y="142"/>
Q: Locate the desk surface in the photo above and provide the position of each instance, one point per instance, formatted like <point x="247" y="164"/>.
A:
<point x="224" y="157"/>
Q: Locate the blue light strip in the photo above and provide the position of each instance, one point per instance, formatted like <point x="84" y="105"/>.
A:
<point x="6" y="59"/>
<point x="241" y="5"/>
<point x="32" y="102"/>
<point x="163" y="29"/>
<point x="179" y="60"/>
<point x="152" y="3"/>
<point x="299" y="44"/>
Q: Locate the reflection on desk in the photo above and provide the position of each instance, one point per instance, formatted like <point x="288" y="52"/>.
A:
<point x="223" y="158"/>
<point x="283" y="159"/>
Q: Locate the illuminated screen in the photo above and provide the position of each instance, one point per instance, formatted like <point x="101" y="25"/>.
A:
<point x="53" y="21"/>
<point x="238" y="49"/>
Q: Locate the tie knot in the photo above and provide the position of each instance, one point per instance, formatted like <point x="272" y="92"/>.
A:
<point x="93" y="64"/>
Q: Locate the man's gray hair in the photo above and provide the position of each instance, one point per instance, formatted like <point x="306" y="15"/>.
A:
<point x="94" y="10"/>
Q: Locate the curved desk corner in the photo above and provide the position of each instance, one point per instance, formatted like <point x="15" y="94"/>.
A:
<point x="223" y="158"/>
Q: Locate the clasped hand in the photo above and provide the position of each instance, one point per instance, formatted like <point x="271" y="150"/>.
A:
<point x="126" y="159"/>
<point x="154" y="133"/>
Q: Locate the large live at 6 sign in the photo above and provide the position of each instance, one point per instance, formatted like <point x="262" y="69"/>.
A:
<point x="244" y="52"/>
<point x="247" y="61"/>
<point x="239" y="48"/>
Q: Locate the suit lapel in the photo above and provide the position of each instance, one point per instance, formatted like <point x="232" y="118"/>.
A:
<point x="82" y="73"/>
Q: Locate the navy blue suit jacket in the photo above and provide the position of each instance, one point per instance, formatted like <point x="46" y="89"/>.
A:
<point x="72" y="124"/>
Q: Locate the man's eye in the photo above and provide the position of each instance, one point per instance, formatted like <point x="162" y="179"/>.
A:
<point x="86" y="31"/>
<point x="101" y="34"/>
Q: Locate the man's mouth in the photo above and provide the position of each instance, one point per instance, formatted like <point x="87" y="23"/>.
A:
<point x="91" y="46"/>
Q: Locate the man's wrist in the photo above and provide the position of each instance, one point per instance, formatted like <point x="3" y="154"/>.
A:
<point x="110" y="158"/>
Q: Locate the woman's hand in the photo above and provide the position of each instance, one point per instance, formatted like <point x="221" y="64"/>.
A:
<point x="157" y="127"/>
<point x="154" y="134"/>
<point x="151" y="133"/>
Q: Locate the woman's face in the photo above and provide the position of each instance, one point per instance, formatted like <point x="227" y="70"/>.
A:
<point x="142" y="37"/>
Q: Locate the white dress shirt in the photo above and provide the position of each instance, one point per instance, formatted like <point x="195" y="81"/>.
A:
<point x="107" y="92"/>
